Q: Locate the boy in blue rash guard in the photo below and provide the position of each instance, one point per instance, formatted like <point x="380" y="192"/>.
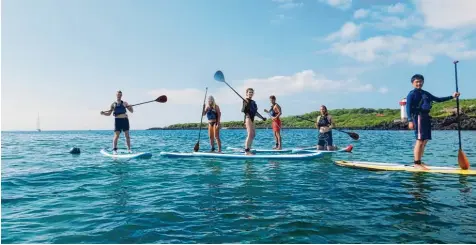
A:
<point x="121" y="121"/>
<point x="419" y="104"/>
<point x="213" y="115"/>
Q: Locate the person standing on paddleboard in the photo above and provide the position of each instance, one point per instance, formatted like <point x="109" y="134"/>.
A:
<point x="214" y="115"/>
<point x="250" y="110"/>
<point x="419" y="104"/>
<point x="121" y="121"/>
<point x="325" y="123"/>
<point x="275" y="113"/>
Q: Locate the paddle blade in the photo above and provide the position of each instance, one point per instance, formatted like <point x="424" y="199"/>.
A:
<point x="196" y="147"/>
<point x="161" y="99"/>
<point x="219" y="76"/>
<point x="354" y="135"/>
<point x="463" y="160"/>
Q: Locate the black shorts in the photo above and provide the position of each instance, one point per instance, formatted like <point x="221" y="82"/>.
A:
<point x="325" y="138"/>
<point x="121" y="124"/>
<point x="422" y="125"/>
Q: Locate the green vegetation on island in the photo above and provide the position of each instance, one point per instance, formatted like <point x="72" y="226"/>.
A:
<point x="364" y="118"/>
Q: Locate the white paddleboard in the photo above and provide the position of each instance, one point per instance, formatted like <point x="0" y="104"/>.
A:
<point x="242" y="156"/>
<point x="126" y="155"/>
<point x="237" y="149"/>
<point x="345" y="149"/>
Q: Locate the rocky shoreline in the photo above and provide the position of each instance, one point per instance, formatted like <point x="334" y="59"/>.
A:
<point x="446" y="123"/>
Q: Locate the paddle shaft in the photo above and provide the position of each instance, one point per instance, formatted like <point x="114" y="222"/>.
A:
<point x="201" y="118"/>
<point x="257" y="113"/>
<point x="314" y="122"/>
<point x="142" y="103"/>
<point x="457" y="105"/>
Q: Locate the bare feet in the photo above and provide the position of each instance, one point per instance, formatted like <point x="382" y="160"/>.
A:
<point x="421" y="166"/>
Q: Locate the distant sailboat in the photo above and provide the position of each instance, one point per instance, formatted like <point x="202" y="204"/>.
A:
<point x="38" y="123"/>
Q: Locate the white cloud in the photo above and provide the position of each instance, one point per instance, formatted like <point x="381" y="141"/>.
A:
<point x="419" y="49"/>
<point x="340" y="4"/>
<point x="383" y="90"/>
<point x="361" y="13"/>
<point x="299" y="82"/>
<point x="303" y="81"/>
<point x="347" y="32"/>
<point x="444" y="14"/>
<point x="396" y="8"/>
<point x="385" y="22"/>
<point x="288" y="4"/>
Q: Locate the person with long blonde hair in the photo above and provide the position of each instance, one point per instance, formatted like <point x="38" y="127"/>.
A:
<point x="212" y="110"/>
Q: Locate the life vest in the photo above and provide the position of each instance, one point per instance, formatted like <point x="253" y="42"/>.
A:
<point x="119" y="108"/>
<point x="323" y="121"/>
<point x="272" y="112"/>
<point x="250" y="108"/>
<point x="212" y="113"/>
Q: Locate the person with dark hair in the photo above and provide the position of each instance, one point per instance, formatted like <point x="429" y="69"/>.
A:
<point x="325" y="123"/>
<point x="275" y="113"/>
<point x="419" y="103"/>
<point x="121" y="121"/>
<point x="250" y="109"/>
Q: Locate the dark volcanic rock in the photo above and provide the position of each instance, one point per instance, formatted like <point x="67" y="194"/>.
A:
<point x="447" y="123"/>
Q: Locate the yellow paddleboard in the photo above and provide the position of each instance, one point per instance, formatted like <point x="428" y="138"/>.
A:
<point x="403" y="167"/>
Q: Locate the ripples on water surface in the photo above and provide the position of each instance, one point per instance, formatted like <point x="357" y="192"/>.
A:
<point x="50" y="196"/>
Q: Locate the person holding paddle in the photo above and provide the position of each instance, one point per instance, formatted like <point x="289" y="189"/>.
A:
<point x="214" y="115"/>
<point x="419" y="103"/>
<point x="325" y="124"/>
<point x="275" y="113"/>
<point x="121" y="121"/>
<point x="250" y="109"/>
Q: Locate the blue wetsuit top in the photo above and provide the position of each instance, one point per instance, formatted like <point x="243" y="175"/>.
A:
<point x="420" y="101"/>
<point x="211" y="114"/>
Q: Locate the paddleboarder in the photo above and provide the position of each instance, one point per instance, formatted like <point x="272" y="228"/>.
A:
<point x="275" y="114"/>
<point x="250" y="110"/>
<point x="214" y="115"/>
<point x="121" y="120"/>
<point x="419" y="103"/>
<point x="325" y="124"/>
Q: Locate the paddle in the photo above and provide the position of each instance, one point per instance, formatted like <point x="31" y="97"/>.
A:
<point x="353" y="135"/>
<point x="197" y="145"/>
<point x="462" y="159"/>
<point x="160" y="99"/>
<point x="221" y="78"/>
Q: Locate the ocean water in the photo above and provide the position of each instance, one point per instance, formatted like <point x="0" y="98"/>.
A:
<point x="51" y="196"/>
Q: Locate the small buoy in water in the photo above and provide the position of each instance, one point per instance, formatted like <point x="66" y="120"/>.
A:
<point x="74" y="150"/>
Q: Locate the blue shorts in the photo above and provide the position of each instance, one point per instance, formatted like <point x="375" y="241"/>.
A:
<point x="121" y="124"/>
<point x="422" y="125"/>
<point x="325" y="138"/>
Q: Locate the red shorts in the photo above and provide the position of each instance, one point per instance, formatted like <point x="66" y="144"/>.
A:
<point x="276" y="125"/>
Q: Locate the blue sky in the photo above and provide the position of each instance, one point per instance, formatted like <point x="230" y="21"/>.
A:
<point x="66" y="59"/>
